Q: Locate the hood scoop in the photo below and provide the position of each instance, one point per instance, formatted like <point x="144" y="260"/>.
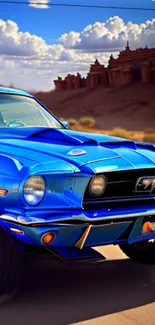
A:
<point x="118" y="144"/>
<point x="144" y="145"/>
<point x="69" y="138"/>
<point x="58" y="137"/>
<point x="127" y="144"/>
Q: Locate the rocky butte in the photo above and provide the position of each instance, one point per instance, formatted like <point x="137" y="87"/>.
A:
<point x="131" y="66"/>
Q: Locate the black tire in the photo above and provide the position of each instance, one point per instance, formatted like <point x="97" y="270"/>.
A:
<point x="11" y="266"/>
<point x="143" y="252"/>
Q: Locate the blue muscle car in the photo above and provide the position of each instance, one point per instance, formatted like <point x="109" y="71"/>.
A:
<point x="66" y="192"/>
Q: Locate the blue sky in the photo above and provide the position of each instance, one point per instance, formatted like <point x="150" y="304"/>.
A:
<point x="37" y="45"/>
<point x="51" y="23"/>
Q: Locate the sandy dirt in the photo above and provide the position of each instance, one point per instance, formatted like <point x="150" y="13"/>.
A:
<point x="131" y="107"/>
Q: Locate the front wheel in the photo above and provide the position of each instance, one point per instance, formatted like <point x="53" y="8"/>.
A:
<point x="143" y="252"/>
<point x="11" y="266"/>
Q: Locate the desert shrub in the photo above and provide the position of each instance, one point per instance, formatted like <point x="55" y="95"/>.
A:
<point x="136" y="138"/>
<point x="149" y="138"/>
<point x="87" y="122"/>
<point x="77" y="127"/>
<point x="120" y="133"/>
<point x="72" y="122"/>
<point x="149" y="131"/>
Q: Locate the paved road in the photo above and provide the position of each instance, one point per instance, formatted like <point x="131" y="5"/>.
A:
<point x="117" y="292"/>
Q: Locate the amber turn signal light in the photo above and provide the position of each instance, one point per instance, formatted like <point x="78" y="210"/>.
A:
<point x="3" y="192"/>
<point x="48" y="238"/>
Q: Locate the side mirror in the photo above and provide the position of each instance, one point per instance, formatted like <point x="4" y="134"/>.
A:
<point x="65" y="124"/>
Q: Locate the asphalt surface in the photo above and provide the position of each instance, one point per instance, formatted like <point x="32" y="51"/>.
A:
<point x="117" y="291"/>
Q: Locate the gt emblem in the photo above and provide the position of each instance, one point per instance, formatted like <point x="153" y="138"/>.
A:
<point x="146" y="184"/>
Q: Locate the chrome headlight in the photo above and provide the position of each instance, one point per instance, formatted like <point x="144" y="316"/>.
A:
<point x="97" y="185"/>
<point x="34" y="190"/>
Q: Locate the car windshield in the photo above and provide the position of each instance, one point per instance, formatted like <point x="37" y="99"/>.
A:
<point x="23" y="111"/>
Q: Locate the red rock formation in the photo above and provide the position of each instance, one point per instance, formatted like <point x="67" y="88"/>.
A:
<point x="69" y="82"/>
<point x="130" y="66"/>
<point x="153" y="75"/>
<point x="77" y="81"/>
<point x="146" y="73"/>
<point x="128" y="75"/>
<point x="97" y="75"/>
<point x="58" y="83"/>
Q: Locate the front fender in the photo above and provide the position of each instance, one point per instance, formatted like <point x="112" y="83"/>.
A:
<point x="9" y="166"/>
<point x="54" y="167"/>
<point x="9" y="180"/>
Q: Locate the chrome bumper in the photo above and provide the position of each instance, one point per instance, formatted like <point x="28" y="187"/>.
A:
<point x="86" y="232"/>
<point x="83" y="217"/>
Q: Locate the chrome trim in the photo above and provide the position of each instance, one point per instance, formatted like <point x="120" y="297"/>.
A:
<point x="17" y="231"/>
<point x="114" y="217"/>
<point x="81" y="217"/>
<point x="144" y="190"/>
<point x="117" y="199"/>
<point x="99" y="160"/>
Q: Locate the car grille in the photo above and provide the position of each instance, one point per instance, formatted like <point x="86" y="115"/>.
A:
<point x="120" y="186"/>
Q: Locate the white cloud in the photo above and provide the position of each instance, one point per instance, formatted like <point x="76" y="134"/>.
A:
<point x="27" y="61"/>
<point x="110" y="35"/>
<point x="36" y="4"/>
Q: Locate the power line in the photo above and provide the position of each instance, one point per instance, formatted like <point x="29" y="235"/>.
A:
<point x="75" y="5"/>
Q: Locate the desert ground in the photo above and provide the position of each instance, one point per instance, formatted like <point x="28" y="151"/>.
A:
<point x="130" y="107"/>
<point x="117" y="291"/>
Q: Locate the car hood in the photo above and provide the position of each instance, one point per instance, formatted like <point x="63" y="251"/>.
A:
<point x="99" y="152"/>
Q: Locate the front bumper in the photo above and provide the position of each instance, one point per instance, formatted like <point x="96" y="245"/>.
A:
<point x="81" y="229"/>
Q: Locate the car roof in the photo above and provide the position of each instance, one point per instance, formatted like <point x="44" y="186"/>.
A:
<point x="12" y="91"/>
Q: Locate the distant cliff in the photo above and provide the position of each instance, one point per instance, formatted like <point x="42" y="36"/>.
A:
<point x="128" y="68"/>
